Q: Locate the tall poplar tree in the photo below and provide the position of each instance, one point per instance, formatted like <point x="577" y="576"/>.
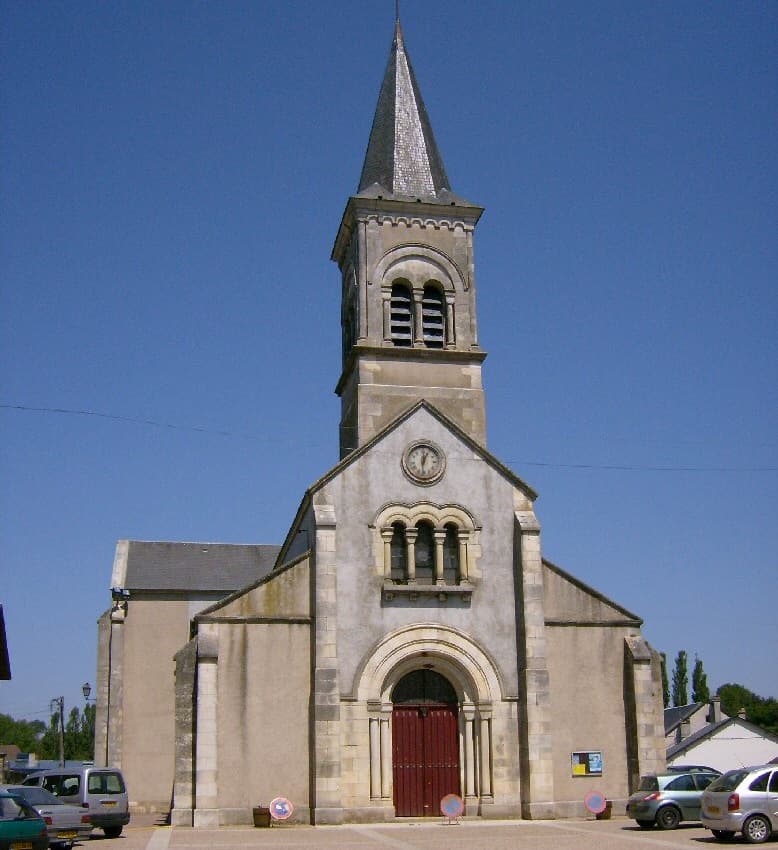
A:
<point x="681" y="679"/>
<point x="700" y="689"/>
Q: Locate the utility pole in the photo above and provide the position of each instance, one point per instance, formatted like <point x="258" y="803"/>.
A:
<point x="59" y="702"/>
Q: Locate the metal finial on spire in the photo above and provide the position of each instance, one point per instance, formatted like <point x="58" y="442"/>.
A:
<point x="397" y="10"/>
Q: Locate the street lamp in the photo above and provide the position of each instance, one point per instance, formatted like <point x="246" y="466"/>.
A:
<point x="86" y="689"/>
<point x="58" y="704"/>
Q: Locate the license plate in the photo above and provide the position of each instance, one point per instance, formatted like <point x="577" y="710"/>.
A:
<point x="712" y="810"/>
<point x="21" y="845"/>
<point x="108" y="803"/>
<point x="70" y="833"/>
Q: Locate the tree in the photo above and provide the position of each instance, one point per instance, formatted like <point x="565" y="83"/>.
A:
<point x="681" y="680"/>
<point x="25" y="734"/>
<point x="700" y="690"/>
<point x="763" y="711"/>
<point x="665" y="684"/>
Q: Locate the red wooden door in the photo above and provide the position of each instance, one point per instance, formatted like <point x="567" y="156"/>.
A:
<point x="425" y="758"/>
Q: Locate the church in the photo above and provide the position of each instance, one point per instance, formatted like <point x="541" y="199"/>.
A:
<point x="407" y="640"/>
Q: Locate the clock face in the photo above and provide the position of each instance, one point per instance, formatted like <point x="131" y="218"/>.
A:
<point x="424" y="462"/>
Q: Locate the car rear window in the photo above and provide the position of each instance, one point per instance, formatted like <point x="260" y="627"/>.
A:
<point x="63" y="785"/>
<point x="105" y="783"/>
<point x="649" y="783"/>
<point x="760" y="783"/>
<point x="684" y="782"/>
<point x="703" y="780"/>
<point x="729" y="781"/>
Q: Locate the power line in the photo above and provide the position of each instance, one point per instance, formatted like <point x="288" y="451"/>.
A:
<point x="543" y="464"/>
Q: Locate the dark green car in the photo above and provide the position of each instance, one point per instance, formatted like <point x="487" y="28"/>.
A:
<point x="21" y="827"/>
<point x="666" y="799"/>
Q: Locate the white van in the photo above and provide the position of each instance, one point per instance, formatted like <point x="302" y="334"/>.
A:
<point x="101" y="790"/>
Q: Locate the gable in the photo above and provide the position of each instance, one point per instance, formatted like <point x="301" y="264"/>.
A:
<point x="280" y="595"/>
<point x="569" y="601"/>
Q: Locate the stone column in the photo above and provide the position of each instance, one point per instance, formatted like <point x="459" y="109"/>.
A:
<point x="386" y="536"/>
<point x="440" y="536"/>
<point x="470" y="774"/>
<point x="410" y="539"/>
<point x="463" y="537"/>
<point x="326" y="756"/>
<point x="386" y="751"/>
<point x="535" y="751"/>
<point x="418" y="322"/>
<point x="387" y="305"/>
<point x="644" y="718"/>
<point x="451" y="334"/>
<point x="206" y="813"/>
<point x="485" y="752"/>
<point x="375" y="757"/>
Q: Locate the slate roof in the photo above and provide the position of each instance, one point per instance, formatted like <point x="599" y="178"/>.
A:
<point x="402" y="158"/>
<point x="196" y="566"/>
<point x="677" y="714"/>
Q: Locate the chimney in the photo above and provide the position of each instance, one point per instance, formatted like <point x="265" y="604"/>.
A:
<point x="742" y="713"/>
<point x="714" y="715"/>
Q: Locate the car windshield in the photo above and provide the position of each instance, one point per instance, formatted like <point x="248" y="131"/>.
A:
<point x="729" y="781"/>
<point x="37" y="796"/>
<point x="648" y="783"/>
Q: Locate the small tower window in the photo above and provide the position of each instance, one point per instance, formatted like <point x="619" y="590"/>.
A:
<point x="399" y="554"/>
<point x="402" y="315"/>
<point x="425" y="554"/>
<point x="451" y="573"/>
<point x="433" y="317"/>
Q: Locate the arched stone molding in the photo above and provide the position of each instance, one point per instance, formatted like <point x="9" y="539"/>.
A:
<point x="456" y="655"/>
<point x="408" y="261"/>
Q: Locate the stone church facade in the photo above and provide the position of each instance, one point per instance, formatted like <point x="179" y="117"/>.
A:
<point x="408" y="639"/>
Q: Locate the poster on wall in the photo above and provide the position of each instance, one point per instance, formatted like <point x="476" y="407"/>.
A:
<point x="587" y="763"/>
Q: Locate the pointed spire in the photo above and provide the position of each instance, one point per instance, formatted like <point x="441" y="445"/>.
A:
<point x="402" y="159"/>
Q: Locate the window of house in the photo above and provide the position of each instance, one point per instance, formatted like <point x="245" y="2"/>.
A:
<point x="402" y="314"/>
<point x="433" y="316"/>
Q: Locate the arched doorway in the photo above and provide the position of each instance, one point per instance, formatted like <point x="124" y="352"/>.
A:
<point x="425" y="743"/>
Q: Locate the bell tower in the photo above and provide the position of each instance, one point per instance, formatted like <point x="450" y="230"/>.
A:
<point x="405" y="252"/>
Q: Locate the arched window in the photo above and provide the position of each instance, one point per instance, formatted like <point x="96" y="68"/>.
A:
<point x="433" y="316"/>
<point x="402" y="314"/>
<point x="451" y="574"/>
<point x="399" y="554"/>
<point x="425" y="554"/>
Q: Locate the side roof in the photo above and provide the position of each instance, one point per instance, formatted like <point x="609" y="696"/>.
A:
<point x="713" y="729"/>
<point x="165" y="565"/>
<point x="675" y="715"/>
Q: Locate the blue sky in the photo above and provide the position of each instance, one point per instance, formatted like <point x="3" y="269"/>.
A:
<point x="173" y="178"/>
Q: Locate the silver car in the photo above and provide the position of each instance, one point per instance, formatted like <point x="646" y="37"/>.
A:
<point x="64" y="824"/>
<point x="665" y="799"/>
<point x="744" y="800"/>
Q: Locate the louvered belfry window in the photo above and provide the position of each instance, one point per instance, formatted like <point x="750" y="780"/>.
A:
<point x="402" y="314"/>
<point x="433" y="317"/>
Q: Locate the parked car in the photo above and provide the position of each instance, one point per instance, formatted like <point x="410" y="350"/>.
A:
<point x="692" y="768"/>
<point x="666" y="799"/>
<point x="101" y="790"/>
<point x="20" y="825"/>
<point x="65" y="823"/>
<point x="743" y="800"/>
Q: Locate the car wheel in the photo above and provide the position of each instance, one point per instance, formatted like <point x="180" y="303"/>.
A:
<point x="646" y="824"/>
<point x="756" y="830"/>
<point x="112" y="831"/>
<point x="723" y="834"/>
<point x="668" y="818"/>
